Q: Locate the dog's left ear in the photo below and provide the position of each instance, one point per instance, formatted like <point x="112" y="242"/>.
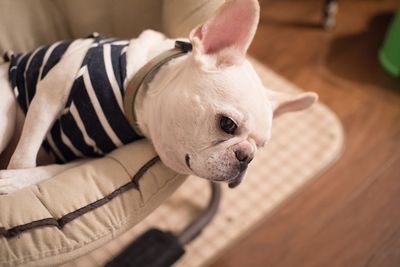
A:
<point x="227" y="35"/>
<point x="285" y="102"/>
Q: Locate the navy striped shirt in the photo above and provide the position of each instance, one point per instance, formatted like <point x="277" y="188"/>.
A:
<point x="93" y="122"/>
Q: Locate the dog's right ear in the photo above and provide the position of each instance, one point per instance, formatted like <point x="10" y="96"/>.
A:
<point x="227" y="35"/>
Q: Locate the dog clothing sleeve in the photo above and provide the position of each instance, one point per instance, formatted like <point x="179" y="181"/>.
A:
<point x="93" y="121"/>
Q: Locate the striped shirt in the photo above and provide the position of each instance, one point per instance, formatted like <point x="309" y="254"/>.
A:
<point x="92" y="122"/>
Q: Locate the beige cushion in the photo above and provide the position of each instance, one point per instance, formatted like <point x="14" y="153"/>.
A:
<point x="74" y="189"/>
<point x="26" y="24"/>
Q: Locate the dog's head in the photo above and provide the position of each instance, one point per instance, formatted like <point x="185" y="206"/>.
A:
<point x="218" y="113"/>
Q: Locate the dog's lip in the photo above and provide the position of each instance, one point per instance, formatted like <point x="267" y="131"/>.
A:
<point x="234" y="182"/>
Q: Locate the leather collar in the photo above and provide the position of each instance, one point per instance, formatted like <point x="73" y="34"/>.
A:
<point x="181" y="48"/>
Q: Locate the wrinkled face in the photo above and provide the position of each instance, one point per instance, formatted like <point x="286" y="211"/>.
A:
<point x="214" y="123"/>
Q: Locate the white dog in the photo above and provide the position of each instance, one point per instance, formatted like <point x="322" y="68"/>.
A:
<point x="206" y="111"/>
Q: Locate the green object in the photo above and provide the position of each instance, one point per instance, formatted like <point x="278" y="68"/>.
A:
<point x="389" y="54"/>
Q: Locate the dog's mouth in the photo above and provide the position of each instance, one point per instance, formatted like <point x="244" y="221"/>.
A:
<point x="232" y="182"/>
<point x="235" y="180"/>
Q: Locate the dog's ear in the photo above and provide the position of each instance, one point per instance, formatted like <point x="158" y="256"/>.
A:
<point x="227" y="35"/>
<point x="285" y="102"/>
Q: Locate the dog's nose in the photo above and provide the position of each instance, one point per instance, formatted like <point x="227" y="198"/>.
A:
<point x="243" y="157"/>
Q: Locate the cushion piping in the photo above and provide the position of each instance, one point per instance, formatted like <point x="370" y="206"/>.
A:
<point x="63" y="220"/>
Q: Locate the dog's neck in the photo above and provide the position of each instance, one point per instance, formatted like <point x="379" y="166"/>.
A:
<point x="140" y="109"/>
<point x="145" y="75"/>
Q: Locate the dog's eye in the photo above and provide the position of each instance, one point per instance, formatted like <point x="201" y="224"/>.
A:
<point x="227" y="125"/>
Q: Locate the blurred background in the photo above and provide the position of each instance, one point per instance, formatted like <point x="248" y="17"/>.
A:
<point x="349" y="216"/>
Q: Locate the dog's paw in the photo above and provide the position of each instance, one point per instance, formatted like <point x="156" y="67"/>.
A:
<point x="12" y="180"/>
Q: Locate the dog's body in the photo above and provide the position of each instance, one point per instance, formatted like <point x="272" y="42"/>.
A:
<point x="92" y="122"/>
<point x="206" y="113"/>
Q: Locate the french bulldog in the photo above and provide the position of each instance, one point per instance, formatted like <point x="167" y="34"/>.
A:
<point x="206" y="112"/>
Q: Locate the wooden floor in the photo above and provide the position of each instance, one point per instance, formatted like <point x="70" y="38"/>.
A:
<point x="350" y="216"/>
